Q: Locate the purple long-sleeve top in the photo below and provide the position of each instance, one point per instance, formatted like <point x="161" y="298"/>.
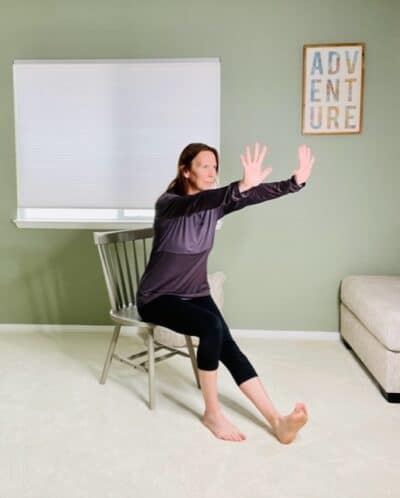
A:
<point x="184" y="229"/>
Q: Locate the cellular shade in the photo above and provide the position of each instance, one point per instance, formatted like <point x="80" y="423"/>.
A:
<point x="107" y="133"/>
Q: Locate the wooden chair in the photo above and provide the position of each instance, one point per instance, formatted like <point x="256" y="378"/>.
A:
<point x="121" y="253"/>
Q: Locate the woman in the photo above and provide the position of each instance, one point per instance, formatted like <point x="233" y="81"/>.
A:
<point x="174" y="291"/>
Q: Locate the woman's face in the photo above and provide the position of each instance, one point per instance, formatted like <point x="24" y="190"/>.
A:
<point x="203" y="172"/>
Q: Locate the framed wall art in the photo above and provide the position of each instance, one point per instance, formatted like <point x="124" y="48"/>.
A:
<point x="333" y="87"/>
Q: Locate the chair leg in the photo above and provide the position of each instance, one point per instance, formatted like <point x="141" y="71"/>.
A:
<point x="189" y="344"/>
<point x="151" y="368"/>
<point x="110" y="353"/>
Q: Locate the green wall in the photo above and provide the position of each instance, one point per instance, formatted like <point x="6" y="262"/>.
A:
<point x="284" y="259"/>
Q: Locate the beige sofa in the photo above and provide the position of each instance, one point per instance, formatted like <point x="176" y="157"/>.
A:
<point x="370" y="326"/>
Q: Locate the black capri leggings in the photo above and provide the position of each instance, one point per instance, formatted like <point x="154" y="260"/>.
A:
<point x="200" y="316"/>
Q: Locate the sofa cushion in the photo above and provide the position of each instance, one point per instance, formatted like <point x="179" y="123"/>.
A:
<point x="375" y="301"/>
<point x="168" y="337"/>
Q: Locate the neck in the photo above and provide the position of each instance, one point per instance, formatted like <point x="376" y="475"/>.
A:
<point x="191" y="190"/>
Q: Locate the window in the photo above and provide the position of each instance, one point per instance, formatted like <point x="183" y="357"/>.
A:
<point x="97" y="141"/>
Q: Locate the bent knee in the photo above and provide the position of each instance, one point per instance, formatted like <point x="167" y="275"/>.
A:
<point x="214" y="329"/>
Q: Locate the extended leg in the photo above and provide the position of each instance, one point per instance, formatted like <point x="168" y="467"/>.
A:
<point x="284" y="427"/>
<point x="245" y="376"/>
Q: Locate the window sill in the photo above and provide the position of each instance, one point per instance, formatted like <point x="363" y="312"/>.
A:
<point x="82" y="224"/>
<point x="88" y="224"/>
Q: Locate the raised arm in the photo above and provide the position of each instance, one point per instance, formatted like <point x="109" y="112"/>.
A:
<point x="237" y="194"/>
<point x="260" y="193"/>
<point x="170" y="205"/>
<point x="252" y="191"/>
<point x="253" y="174"/>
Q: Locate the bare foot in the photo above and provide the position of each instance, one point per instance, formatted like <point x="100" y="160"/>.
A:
<point x="288" y="426"/>
<point x="220" y="426"/>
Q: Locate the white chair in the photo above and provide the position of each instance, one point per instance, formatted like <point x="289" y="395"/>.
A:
<point x="121" y="253"/>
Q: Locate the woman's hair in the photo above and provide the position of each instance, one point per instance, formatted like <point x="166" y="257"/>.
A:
<point x="179" y="183"/>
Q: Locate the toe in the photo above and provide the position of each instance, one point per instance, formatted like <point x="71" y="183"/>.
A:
<point x="230" y="436"/>
<point x="301" y="408"/>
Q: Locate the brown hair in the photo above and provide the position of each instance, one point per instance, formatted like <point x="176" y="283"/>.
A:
<point x="179" y="183"/>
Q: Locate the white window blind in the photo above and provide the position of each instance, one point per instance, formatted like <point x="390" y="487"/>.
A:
<point x="99" y="140"/>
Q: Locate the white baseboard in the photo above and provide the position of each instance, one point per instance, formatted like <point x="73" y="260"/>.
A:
<point x="288" y="334"/>
<point x="250" y="333"/>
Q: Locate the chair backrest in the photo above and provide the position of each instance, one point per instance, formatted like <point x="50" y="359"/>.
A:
<point x="124" y="256"/>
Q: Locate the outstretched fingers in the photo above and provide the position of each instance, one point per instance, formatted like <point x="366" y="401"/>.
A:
<point x="248" y="156"/>
<point x="256" y="151"/>
<point x="263" y="152"/>
<point x="302" y="153"/>
<point x="258" y="156"/>
<point x="305" y="157"/>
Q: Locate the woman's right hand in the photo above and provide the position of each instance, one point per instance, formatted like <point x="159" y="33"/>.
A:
<point x="253" y="174"/>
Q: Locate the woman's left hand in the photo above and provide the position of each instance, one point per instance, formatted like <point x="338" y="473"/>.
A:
<point x="306" y="161"/>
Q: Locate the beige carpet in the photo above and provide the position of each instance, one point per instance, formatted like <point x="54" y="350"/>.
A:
<point x="65" y="435"/>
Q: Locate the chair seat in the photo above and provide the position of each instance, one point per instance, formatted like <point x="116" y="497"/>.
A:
<point x="129" y="316"/>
